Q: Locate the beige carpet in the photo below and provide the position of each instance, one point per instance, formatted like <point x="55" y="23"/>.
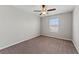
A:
<point x="42" y="45"/>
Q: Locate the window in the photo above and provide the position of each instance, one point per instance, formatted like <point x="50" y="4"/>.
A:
<point x="54" y="24"/>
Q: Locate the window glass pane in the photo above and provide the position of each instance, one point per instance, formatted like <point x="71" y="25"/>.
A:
<point x="54" y="24"/>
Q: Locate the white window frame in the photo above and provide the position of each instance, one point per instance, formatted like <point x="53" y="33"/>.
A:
<point x="53" y="28"/>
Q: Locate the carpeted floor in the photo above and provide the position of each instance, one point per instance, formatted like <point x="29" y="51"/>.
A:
<point x="42" y="45"/>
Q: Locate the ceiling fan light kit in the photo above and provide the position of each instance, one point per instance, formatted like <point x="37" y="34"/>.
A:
<point x="44" y="10"/>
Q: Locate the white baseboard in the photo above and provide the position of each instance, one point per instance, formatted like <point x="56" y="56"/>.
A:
<point x="58" y="37"/>
<point x="75" y="46"/>
<point x="34" y="37"/>
<point x="31" y="37"/>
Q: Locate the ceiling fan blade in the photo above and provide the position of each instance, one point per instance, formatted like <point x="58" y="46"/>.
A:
<point x="40" y="13"/>
<point x="37" y="10"/>
<point x="51" y="9"/>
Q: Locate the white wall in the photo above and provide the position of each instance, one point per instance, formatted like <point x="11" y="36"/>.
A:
<point x="76" y="27"/>
<point x="16" y="26"/>
<point x="65" y="27"/>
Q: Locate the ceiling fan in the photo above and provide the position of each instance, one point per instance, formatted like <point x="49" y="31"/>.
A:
<point x="44" y="10"/>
